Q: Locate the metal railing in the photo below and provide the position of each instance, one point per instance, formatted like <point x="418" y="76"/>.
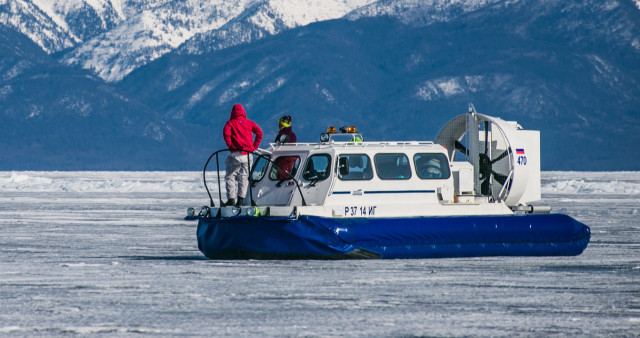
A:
<point x="249" y="161"/>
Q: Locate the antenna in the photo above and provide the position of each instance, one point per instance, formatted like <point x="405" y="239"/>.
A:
<point x="472" y="109"/>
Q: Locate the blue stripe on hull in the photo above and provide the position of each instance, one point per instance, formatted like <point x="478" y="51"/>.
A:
<point x="387" y="192"/>
<point x="420" y="237"/>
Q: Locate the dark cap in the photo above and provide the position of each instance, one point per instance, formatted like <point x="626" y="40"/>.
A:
<point x="286" y="118"/>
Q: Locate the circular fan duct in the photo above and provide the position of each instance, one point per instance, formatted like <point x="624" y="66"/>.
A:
<point x="505" y="158"/>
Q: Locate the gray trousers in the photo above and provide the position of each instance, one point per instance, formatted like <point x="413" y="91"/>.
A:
<point x="237" y="175"/>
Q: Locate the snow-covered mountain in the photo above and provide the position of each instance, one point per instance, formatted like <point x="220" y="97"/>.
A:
<point x="161" y="75"/>
<point x="420" y="12"/>
<point x="266" y="18"/>
<point x="61" y="24"/>
<point x="29" y="19"/>
<point x="83" y="19"/>
<point x="151" y="29"/>
<point x="568" y="64"/>
<point x="114" y="37"/>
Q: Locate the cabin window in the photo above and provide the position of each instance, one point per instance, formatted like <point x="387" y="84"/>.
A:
<point x="358" y="167"/>
<point x="259" y="168"/>
<point x="431" y="166"/>
<point x="317" y="168"/>
<point x="288" y="163"/>
<point x="392" y="166"/>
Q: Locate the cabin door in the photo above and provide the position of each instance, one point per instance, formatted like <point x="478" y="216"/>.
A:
<point x="279" y="187"/>
<point x="315" y="179"/>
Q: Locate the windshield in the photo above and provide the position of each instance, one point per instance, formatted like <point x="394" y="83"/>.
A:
<point x="259" y="168"/>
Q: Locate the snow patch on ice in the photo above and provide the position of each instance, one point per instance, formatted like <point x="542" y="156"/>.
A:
<point x="613" y="187"/>
<point x="97" y="181"/>
<point x="84" y="330"/>
<point x="19" y="178"/>
<point x="79" y="265"/>
<point x="9" y="329"/>
<point x="620" y="183"/>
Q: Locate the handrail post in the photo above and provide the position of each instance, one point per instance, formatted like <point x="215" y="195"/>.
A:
<point x="204" y="179"/>
<point x="253" y="204"/>
<point x="218" y="173"/>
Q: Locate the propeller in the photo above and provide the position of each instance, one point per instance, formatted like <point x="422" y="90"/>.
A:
<point x="486" y="163"/>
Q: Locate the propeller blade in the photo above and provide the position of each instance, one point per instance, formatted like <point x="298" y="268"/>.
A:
<point x="485" y="186"/>
<point x="499" y="177"/>
<point x="501" y="156"/>
<point x="460" y="147"/>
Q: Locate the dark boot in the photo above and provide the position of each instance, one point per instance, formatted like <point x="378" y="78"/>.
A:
<point x="239" y="203"/>
<point x="230" y="202"/>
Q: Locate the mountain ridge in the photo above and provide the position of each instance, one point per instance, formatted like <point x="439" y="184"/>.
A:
<point x="87" y="125"/>
<point x="397" y="69"/>
<point x="548" y="79"/>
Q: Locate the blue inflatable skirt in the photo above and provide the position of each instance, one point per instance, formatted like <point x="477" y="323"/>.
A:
<point x="311" y="237"/>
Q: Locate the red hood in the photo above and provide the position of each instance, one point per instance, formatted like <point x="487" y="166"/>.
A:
<point x="237" y="112"/>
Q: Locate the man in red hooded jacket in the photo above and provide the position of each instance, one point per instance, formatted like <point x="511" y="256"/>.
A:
<point x="238" y="135"/>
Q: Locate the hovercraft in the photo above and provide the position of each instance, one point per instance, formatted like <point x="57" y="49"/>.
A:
<point x="474" y="191"/>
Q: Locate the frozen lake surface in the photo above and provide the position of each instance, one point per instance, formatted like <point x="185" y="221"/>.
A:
<point x="108" y="253"/>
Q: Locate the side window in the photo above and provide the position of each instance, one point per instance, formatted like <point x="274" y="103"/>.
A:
<point x="288" y="163"/>
<point x="393" y="166"/>
<point x="317" y="168"/>
<point x="359" y="167"/>
<point x="431" y="166"/>
<point x="259" y="168"/>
